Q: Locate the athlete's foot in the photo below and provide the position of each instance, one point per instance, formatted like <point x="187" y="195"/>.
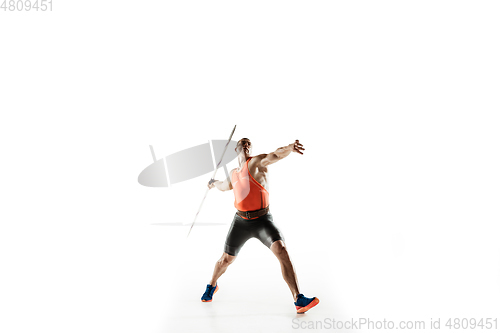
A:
<point x="209" y="293"/>
<point x="303" y="303"/>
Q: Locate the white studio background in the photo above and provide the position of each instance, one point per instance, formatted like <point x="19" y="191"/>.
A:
<point x="392" y="212"/>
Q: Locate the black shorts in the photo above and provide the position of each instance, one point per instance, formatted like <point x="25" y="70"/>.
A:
<point x="242" y="230"/>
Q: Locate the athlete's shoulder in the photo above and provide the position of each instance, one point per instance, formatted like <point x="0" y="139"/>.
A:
<point x="258" y="157"/>
<point x="257" y="160"/>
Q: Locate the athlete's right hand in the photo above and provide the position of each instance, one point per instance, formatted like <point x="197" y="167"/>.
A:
<point x="211" y="184"/>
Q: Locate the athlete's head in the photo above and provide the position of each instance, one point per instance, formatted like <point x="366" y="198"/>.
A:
<point x="244" y="144"/>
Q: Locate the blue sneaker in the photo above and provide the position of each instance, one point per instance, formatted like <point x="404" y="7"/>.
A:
<point x="209" y="293"/>
<point x="303" y="303"/>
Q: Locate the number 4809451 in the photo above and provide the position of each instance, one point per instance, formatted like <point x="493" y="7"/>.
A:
<point x="26" y="5"/>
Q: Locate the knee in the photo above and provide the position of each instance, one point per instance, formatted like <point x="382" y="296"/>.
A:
<point x="226" y="260"/>
<point x="280" y="250"/>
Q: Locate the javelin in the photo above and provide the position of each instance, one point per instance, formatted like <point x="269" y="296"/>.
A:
<point x="213" y="177"/>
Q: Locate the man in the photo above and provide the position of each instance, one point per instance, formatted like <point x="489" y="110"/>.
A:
<point x="253" y="219"/>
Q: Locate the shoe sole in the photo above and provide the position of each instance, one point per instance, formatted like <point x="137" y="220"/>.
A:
<point x="217" y="288"/>
<point x="303" y="309"/>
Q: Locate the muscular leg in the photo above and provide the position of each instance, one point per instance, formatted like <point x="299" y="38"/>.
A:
<point x="221" y="266"/>
<point x="280" y="251"/>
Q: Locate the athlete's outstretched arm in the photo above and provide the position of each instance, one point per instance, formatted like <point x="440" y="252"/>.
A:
<point x="224" y="185"/>
<point x="282" y="152"/>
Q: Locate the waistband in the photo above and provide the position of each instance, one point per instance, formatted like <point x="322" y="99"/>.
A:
<point x="254" y="213"/>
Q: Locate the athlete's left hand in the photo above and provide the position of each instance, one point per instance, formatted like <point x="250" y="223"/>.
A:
<point x="297" y="147"/>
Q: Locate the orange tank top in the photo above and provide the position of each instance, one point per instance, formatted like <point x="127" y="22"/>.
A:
<point x="249" y="194"/>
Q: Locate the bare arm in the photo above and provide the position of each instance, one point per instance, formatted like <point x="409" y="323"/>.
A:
<point x="281" y="153"/>
<point x="224" y="185"/>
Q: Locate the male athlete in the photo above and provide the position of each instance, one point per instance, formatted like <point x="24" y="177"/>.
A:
<point x="253" y="219"/>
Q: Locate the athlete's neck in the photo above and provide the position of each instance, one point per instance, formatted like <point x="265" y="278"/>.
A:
<point x="242" y="158"/>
